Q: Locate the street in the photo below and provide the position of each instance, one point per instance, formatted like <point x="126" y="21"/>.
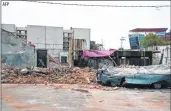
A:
<point x="60" y="97"/>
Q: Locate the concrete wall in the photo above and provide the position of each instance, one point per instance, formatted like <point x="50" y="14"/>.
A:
<point x="15" y="52"/>
<point x="9" y="27"/>
<point x="81" y="33"/>
<point x="39" y="35"/>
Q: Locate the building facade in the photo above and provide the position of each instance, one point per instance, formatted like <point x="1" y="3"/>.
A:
<point x="54" y="39"/>
<point x="138" y="34"/>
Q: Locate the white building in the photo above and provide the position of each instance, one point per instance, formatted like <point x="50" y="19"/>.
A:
<point x="54" y="39"/>
<point x="46" y="37"/>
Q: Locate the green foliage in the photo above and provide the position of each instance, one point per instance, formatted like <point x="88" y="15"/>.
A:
<point x="167" y="43"/>
<point x="152" y="40"/>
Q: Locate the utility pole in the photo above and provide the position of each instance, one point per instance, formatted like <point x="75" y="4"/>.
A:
<point x="45" y="37"/>
<point x="71" y="49"/>
<point x="122" y="39"/>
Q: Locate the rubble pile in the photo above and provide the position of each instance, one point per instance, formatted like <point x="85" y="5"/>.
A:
<point x="44" y="75"/>
<point x="79" y="76"/>
<point x="15" y="75"/>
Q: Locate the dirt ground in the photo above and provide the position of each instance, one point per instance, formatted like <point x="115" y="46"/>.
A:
<point x="60" y="97"/>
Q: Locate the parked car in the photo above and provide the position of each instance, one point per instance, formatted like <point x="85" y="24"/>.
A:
<point x="156" y="81"/>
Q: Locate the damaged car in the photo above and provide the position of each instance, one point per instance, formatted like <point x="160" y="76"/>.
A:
<point x="156" y="81"/>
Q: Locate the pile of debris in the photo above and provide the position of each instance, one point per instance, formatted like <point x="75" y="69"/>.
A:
<point x="79" y="76"/>
<point x="132" y="70"/>
<point x="45" y="75"/>
<point x="15" y="75"/>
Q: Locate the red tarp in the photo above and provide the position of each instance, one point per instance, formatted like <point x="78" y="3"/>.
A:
<point x="98" y="53"/>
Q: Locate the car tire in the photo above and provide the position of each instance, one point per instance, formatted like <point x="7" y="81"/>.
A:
<point x="112" y="84"/>
<point x="109" y="83"/>
<point x="157" y="85"/>
<point x="160" y="85"/>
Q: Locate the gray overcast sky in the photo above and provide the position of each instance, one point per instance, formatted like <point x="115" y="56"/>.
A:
<point x="108" y="24"/>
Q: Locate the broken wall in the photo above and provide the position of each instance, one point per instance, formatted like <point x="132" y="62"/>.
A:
<point x="15" y="52"/>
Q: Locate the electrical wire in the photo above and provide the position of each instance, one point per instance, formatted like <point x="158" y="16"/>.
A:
<point x="85" y="5"/>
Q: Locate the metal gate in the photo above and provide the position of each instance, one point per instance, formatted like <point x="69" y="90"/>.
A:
<point x="42" y="58"/>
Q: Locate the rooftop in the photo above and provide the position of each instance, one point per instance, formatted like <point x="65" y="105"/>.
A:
<point x="149" y="30"/>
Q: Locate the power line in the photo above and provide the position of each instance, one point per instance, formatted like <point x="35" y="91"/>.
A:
<point x="86" y="5"/>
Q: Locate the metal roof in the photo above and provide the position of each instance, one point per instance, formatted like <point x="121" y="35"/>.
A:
<point x="149" y="30"/>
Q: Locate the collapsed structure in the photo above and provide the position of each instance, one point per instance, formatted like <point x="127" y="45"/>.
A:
<point x="15" y="51"/>
<point x="113" y="57"/>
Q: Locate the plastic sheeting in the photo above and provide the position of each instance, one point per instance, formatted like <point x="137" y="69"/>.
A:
<point x="98" y="53"/>
<point x="15" y="52"/>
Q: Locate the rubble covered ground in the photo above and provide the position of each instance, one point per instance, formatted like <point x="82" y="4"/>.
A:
<point x="66" y="75"/>
<point x="54" y="89"/>
<point x="41" y="75"/>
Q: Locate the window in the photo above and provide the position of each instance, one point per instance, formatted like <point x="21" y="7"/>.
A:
<point x="69" y="34"/>
<point x="65" y="34"/>
<point x="63" y="59"/>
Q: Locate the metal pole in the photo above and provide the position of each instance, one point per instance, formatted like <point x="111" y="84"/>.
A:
<point x="45" y="37"/>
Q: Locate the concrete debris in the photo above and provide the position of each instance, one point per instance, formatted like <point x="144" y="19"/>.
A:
<point x="24" y="71"/>
<point x="45" y="75"/>
<point x="79" y="76"/>
<point x="122" y="70"/>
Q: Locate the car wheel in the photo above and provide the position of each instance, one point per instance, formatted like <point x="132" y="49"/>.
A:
<point x="157" y="85"/>
<point x="112" y="84"/>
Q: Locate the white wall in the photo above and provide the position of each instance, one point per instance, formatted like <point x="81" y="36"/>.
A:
<point x="166" y="54"/>
<point x="81" y="33"/>
<point x="39" y="34"/>
<point x="54" y="35"/>
<point x="9" y="27"/>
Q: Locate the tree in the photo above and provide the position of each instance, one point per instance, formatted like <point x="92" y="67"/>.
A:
<point x="152" y="40"/>
<point x="167" y="43"/>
